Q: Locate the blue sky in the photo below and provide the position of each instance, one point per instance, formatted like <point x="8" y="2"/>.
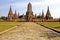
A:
<point x="37" y="6"/>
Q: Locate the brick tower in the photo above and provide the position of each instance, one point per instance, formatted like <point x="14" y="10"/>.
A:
<point x="42" y="14"/>
<point x="10" y="14"/>
<point x="29" y="13"/>
<point x="48" y="14"/>
<point x="15" y="15"/>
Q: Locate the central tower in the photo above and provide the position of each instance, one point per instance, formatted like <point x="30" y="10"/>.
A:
<point x="29" y="7"/>
<point x="29" y="13"/>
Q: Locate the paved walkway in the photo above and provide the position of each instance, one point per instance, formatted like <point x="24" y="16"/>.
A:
<point x="30" y="31"/>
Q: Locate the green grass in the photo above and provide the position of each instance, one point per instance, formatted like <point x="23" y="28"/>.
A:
<point x="7" y="25"/>
<point x="55" y="25"/>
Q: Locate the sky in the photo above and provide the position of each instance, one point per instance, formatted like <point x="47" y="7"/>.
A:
<point x="37" y="7"/>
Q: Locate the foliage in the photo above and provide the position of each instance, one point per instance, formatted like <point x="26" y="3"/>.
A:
<point x="59" y="19"/>
<point x="2" y="18"/>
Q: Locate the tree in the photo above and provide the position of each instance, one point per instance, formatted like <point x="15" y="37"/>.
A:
<point x="2" y="18"/>
<point x="59" y="19"/>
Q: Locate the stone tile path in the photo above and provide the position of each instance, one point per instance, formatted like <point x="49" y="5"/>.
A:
<point x="30" y="31"/>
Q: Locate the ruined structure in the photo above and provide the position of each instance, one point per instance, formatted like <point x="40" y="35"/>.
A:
<point x="29" y="15"/>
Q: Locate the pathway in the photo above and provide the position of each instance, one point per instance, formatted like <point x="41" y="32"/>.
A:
<point x="30" y="31"/>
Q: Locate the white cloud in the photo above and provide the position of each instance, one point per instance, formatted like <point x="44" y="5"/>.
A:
<point x="37" y="6"/>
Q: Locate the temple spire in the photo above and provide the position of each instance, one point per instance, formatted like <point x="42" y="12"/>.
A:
<point x="10" y="8"/>
<point x="48" y="15"/>
<point x="29" y="7"/>
<point x="15" y="15"/>
<point x="18" y="14"/>
<point x="42" y="14"/>
<point x="48" y="11"/>
<point x="15" y="11"/>
<point x="10" y="14"/>
<point x="29" y="13"/>
<point x="10" y="11"/>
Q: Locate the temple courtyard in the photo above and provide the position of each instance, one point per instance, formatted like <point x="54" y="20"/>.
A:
<point x="29" y="31"/>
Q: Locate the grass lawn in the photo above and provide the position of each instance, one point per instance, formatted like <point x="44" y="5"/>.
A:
<point x="55" y="25"/>
<point x="7" y="25"/>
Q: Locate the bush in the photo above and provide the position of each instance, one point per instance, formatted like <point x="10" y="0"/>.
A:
<point x="59" y="19"/>
<point x="2" y="18"/>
